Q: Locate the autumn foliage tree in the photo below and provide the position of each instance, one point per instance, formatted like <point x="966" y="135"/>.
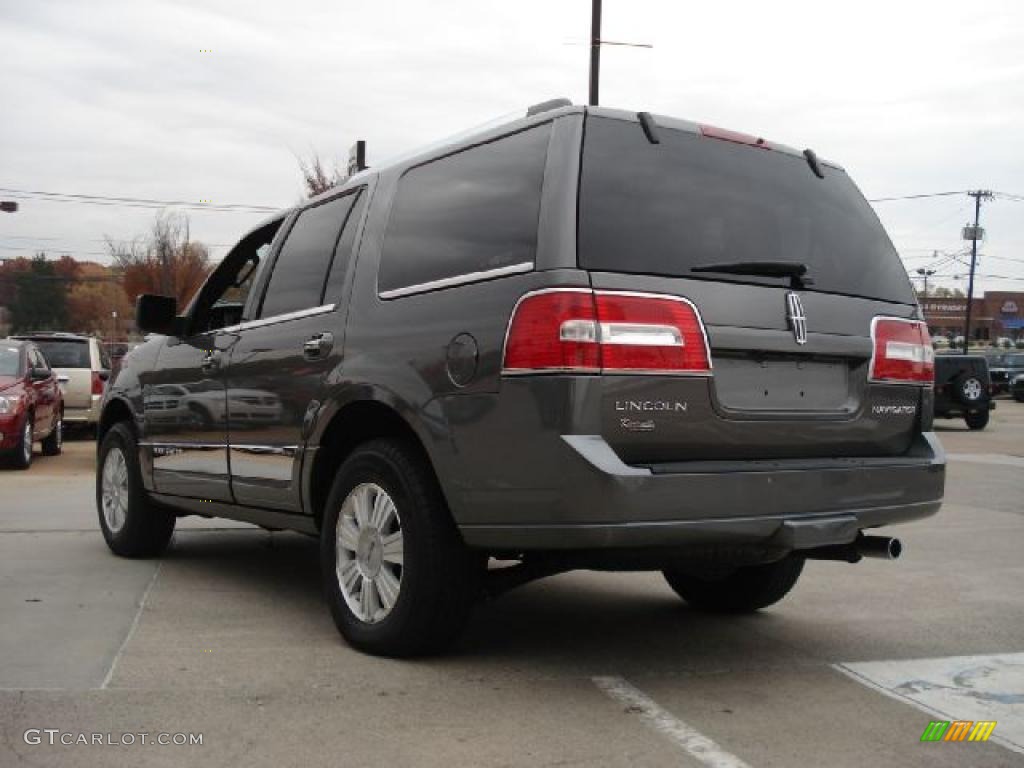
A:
<point x="165" y="262"/>
<point x="94" y="298"/>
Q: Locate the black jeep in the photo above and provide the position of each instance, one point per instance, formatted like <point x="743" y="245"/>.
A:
<point x="963" y="388"/>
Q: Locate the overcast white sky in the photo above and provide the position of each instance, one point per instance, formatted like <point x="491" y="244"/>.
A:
<point x="119" y="98"/>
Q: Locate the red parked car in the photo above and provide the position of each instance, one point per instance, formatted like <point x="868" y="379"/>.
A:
<point x="31" y="404"/>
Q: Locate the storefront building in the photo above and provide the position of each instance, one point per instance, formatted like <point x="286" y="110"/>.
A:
<point x="998" y="314"/>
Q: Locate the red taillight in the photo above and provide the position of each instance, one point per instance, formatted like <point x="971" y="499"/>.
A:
<point x="585" y="332"/>
<point x="97" y="383"/>
<point x="903" y="351"/>
<point x="714" y="132"/>
<point x="650" y="333"/>
<point x="553" y="330"/>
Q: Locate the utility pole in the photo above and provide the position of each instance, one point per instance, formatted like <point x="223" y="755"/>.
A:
<point x="973" y="234"/>
<point x="595" y="52"/>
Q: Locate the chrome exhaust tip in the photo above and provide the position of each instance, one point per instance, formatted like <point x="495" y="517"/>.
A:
<point x="881" y="547"/>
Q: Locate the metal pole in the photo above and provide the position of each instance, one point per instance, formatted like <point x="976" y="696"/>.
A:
<point x="974" y="258"/>
<point x="595" y="51"/>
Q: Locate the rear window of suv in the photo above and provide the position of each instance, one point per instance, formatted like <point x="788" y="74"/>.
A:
<point x="665" y="208"/>
<point x="63" y="353"/>
<point x="471" y="212"/>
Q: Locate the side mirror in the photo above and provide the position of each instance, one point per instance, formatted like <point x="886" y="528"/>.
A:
<point x="39" y="374"/>
<point x="104" y="375"/>
<point x="156" y="314"/>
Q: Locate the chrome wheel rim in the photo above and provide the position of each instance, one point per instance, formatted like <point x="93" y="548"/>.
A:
<point x="369" y="552"/>
<point x="27" y="440"/>
<point x="114" y="490"/>
<point x="972" y="389"/>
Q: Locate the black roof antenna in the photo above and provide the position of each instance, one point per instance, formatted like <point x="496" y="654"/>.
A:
<point x="650" y="129"/>
<point x="812" y="160"/>
<point x="357" y="158"/>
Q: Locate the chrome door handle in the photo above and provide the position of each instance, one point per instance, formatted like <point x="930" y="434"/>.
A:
<point x="318" y="346"/>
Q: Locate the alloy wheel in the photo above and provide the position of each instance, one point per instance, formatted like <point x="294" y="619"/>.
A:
<point x="115" y="490"/>
<point x="369" y="552"/>
<point x="27" y="439"/>
<point x="972" y="389"/>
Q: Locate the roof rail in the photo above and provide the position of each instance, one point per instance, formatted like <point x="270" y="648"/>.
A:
<point x="547" y="106"/>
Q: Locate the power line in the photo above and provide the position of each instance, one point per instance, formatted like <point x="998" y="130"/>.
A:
<point x="104" y="241"/>
<point x="133" y="202"/>
<point x="917" y="197"/>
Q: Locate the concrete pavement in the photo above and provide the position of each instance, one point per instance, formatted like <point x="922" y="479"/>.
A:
<point x="228" y="636"/>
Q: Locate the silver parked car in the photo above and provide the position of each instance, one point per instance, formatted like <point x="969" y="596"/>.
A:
<point x="82" y="365"/>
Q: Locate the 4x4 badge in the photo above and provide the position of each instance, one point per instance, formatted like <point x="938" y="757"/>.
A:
<point x="797" y="318"/>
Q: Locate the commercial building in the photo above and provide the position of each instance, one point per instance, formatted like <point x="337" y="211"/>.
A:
<point x="995" y="315"/>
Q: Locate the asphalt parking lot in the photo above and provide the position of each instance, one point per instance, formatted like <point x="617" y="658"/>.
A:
<point x="227" y="636"/>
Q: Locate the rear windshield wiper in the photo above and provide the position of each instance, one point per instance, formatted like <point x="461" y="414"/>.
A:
<point x="794" y="270"/>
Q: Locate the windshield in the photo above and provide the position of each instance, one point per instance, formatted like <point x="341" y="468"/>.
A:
<point x="65" y="353"/>
<point x="690" y="201"/>
<point x="10" y="361"/>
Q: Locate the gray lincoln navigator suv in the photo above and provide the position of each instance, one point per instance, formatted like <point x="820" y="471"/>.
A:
<point x="586" y="338"/>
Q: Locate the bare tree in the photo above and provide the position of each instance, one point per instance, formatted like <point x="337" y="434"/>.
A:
<point x="317" y="177"/>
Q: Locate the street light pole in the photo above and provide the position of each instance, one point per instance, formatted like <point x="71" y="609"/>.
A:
<point x="925" y="273"/>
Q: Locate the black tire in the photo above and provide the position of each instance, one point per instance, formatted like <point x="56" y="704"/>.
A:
<point x="439" y="578"/>
<point x="201" y="418"/>
<point x="977" y="420"/>
<point x="742" y="591"/>
<point x="21" y="456"/>
<point x="970" y="389"/>
<point x="53" y="445"/>
<point x="146" y="527"/>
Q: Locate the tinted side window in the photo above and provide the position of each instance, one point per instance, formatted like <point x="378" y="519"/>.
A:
<point x="473" y="211"/>
<point x="343" y="254"/>
<point x="297" y="281"/>
<point x="104" y="357"/>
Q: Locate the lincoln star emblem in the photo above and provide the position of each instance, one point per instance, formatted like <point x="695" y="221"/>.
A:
<point x="797" y="318"/>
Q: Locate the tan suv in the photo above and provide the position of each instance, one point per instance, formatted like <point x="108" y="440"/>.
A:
<point x="82" y="365"/>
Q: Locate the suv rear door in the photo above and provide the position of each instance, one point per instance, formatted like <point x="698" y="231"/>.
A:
<point x="71" y="359"/>
<point x="282" y="356"/>
<point x="651" y="212"/>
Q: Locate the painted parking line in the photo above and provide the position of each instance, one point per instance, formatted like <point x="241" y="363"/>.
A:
<point x="131" y="630"/>
<point x="977" y="688"/>
<point x="692" y="741"/>
<point x="997" y="459"/>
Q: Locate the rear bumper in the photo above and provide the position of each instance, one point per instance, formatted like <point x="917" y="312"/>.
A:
<point x="89" y="414"/>
<point x="789" y="505"/>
